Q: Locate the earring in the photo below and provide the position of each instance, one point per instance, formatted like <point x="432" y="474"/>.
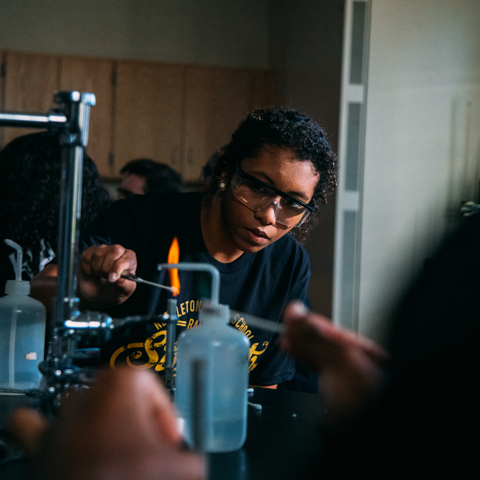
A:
<point x="222" y="185"/>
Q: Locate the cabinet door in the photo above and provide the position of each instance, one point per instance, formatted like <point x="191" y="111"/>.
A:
<point x="217" y="100"/>
<point x="95" y="76"/>
<point x="29" y="86"/>
<point x="262" y="91"/>
<point x="148" y="113"/>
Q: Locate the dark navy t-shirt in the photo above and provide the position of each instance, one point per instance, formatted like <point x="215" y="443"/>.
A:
<point x="259" y="283"/>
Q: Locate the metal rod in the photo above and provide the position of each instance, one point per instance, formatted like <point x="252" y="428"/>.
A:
<point x="199" y="267"/>
<point x="171" y="319"/>
<point x="31" y="120"/>
<point x="70" y="121"/>
<point x="258" y="322"/>
<point x="198" y="404"/>
<point x="134" y="278"/>
<point x="70" y="198"/>
<point x="74" y="139"/>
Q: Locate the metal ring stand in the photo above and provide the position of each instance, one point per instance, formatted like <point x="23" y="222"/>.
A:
<point x="70" y="122"/>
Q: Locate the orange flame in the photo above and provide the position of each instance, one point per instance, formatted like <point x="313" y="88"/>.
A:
<point x="173" y="257"/>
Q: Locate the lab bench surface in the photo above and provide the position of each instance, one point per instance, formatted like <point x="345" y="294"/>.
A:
<point x="283" y="439"/>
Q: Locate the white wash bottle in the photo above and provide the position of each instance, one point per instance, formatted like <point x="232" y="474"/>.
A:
<point x="219" y="398"/>
<point x="22" y="333"/>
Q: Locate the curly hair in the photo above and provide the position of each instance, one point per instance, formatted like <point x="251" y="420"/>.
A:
<point x="30" y="168"/>
<point x="286" y="129"/>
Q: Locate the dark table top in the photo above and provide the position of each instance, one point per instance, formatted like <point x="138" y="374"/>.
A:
<point x="12" y="465"/>
<point x="283" y="439"/>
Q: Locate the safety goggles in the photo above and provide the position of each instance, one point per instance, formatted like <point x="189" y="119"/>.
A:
<point x="257" y="195"/>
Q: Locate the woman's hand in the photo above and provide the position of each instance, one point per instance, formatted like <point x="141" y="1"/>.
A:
<point x="99" y="282"/>
<point x="349" y="365"/>
<point x="123" y="427"/>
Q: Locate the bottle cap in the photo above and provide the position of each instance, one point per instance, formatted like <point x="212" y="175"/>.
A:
<point x="214" y="311"/>
<point x="17" y="287"/>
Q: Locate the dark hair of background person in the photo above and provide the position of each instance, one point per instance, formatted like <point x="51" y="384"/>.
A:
<point x="158" y="176"/>
<point x="30" y="168"/>
<point x="286" y="129"/>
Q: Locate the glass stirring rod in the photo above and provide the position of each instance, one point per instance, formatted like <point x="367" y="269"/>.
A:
<point x="135" y="278"/>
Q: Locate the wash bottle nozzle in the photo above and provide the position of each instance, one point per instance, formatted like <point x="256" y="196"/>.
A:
<point x="18" y="264"/>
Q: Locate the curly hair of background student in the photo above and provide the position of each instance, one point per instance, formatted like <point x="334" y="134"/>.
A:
<point x="285" y="129"/>
<point x="30" y="168"/>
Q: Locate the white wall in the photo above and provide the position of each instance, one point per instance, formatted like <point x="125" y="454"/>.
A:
<point x="422" y="145"/>
<point x="211" y="32"/>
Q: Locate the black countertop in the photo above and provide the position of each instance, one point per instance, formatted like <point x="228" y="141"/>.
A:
<point x="283" y="439"/>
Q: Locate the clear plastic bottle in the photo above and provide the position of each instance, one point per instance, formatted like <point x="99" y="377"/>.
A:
<point x="224" y="352"/>
<point x="22" y="337"/>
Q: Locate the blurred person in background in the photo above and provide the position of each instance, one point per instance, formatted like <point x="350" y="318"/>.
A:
<point x="30" y="168"/>
<point x="143" y="175"/>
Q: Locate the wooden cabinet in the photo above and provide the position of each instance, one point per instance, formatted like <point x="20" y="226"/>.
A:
<point x="175" y="114"/>
<point x="217" y="100"/>
<point x="148" y="113"/>
<point x="28" y="86"/>
<point x="31" y="80"/>
<point x="180" y="115"/>
<point x="93" y="75"/>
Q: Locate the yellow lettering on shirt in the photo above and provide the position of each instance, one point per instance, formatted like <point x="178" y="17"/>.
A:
<point x="153" y="349"/>
<point x="254" y="354"/>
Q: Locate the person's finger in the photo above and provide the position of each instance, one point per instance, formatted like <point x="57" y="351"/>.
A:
<point x="295" y="310"/>
<point x="163" y="413"/>
<point x="150" y="400"/>
<point x="101" y="266"/>
<point x="28" y="427"/>
<point x="306" y="330"/>
<point x="303" y="336"/>
<point x="177" y="465"/>
<point x="85" y="261"/>
<point x="348" y="339"/>
<point x="134" y="396"/>
<point x="103" y="257"/>
<point x="127" y="261"/>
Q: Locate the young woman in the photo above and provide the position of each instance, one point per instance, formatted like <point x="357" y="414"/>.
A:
<point x="264" y="187"/>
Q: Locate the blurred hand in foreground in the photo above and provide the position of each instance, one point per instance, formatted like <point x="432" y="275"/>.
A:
<point x="123" y="427"/>
<point x="349" y="365"/>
